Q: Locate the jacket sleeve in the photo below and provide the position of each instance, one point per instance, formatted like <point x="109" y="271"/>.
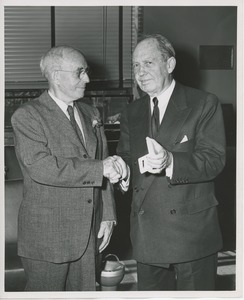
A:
<point x="109" y="210"/>
<point x="207" y="159"/>
<point x="123" y="148"/>
<point x="42" y="166"/>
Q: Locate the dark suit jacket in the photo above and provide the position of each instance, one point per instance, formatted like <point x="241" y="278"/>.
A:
<point x="176" y="220"/>
<point x="60" y="176"/>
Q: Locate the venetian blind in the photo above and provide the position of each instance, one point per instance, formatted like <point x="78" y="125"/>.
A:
<point x="94" y="30"/>
<point x="27" y="38"/>
<point x="128" y="38"/>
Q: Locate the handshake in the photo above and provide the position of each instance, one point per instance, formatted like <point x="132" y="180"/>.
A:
<point x="115" y="169"/>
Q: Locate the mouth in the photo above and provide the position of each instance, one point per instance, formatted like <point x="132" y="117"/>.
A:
<point x="145" y="82"/>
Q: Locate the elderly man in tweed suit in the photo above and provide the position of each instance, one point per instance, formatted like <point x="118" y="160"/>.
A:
<point x="67" y="213"/>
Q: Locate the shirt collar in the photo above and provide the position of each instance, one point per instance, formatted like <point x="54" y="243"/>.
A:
<point x="60" y="103"/>
<point x="163" y="99"/>
<point x="165" y="95"/>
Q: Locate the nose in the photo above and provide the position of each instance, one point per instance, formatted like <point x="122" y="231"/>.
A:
<point x="85" y="78"/>
<point x="141" y="71"/>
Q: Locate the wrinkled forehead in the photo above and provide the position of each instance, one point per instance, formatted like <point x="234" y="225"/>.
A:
<point x="74" y="60"/>
<point x="146" y="49"/>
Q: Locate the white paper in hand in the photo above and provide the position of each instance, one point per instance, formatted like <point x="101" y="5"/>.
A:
<point x="153" y="146"/>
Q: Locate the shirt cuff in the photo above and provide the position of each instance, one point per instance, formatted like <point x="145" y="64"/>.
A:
<point x="124" y="184"/>
<point x="169" y="169"/>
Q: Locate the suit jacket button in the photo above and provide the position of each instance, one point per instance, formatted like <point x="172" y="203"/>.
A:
<point x="84" y="155"/>
<point x="136" y="189"/>
<point x="135" y="162"/>
<point x="89" y="200"/>
<point x="173" y="211"/>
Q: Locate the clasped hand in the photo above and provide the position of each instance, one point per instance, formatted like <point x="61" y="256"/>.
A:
<point x="114" y="168"/>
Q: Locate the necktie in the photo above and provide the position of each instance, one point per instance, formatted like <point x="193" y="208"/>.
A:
<point x="70" y="110"/>
<point x="155" y="118"/>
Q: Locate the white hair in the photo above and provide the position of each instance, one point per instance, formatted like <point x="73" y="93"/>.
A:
<point x="54" y="58"/>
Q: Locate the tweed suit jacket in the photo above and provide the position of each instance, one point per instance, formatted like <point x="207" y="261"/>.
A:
<point x="62" y="180"/>
<point x="175" y="220"/>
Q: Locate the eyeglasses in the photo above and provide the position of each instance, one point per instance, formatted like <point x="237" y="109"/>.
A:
<point x="79" y="72"/>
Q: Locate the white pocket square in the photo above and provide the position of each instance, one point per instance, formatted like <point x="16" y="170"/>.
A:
<point x="185" y="139"/>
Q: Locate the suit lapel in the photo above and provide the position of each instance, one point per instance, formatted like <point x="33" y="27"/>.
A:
<point x="175" y="115"/>
<point x="141" y="125"/>
<point x="59" y="118"/>
<point x="144" y="115"/>
<point x="90" y="137"/>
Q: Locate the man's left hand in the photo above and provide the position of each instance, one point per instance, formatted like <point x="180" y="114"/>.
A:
<point x="158" y="162"/>
<point x="105" y="232"/>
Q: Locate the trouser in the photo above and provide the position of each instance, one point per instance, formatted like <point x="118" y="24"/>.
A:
<point x="77" y="275"/>
<point x="197" y="275"/>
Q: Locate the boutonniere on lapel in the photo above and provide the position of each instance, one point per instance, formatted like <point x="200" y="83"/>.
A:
<point x="96" y="122"/>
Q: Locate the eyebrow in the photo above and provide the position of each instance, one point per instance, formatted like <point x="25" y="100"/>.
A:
<point x="146" y="59"/>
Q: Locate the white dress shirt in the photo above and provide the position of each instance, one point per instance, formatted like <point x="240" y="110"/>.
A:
<point x="63" y="106"/>
<point x="163" y="100"/>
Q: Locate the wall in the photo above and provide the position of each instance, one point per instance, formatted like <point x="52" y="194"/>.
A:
<point x="189" y="27"/>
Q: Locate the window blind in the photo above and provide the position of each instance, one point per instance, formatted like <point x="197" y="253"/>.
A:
<point x="82" y="28"/>
<point x="27" y="38"/>
<point x="94" y="30"/>
<point x="128" y="37"/>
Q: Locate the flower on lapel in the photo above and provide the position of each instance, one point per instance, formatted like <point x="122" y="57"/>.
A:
<point x="97" y="122"/>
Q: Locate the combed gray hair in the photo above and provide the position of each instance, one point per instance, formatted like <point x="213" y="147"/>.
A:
<point x="165" y="47"/>
<point x="54" y="59"/>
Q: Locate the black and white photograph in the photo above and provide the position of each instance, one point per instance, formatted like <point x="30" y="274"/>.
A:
<point x="122" y="156"/>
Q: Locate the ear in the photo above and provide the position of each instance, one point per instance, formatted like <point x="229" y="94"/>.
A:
<point x="55" y="77"/>
<point x="171" y="63"/>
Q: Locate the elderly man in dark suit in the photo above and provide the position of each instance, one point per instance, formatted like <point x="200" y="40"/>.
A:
<point x="175" y="231"/>
<point x="67" y="214"/>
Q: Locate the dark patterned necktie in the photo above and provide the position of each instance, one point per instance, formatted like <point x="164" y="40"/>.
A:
<point x="155" y="118"/>
<point x="70" y="110"/>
